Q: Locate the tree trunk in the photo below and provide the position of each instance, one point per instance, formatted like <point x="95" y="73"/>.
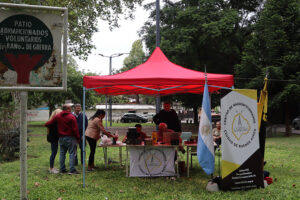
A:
<point x="16" y="114"/>
<point x="195" y="110"/>
<point x="287" y="120"/>
<point x="137" y="99"/>
<point x="51" y="107"/>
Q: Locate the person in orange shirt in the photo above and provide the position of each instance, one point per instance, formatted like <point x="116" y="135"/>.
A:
<point x="163" y="127"/>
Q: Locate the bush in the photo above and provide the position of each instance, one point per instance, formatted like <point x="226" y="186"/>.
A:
<point x="9" y="144"/>
<point x="9" y="132"/>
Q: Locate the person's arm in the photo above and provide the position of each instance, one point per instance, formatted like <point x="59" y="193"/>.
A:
<point x="86" y="122"/>
<point x="75" y="129"/>
<point x="177" y="121"/>
<point x="50" y="122"/>
<point x="108" y="134"/>
<point x="156" y="118"/>
<point x="143" y="135"/>
<point x="124" y="139"/>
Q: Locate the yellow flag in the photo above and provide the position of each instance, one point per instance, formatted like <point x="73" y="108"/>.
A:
<point x="262" y="105"/>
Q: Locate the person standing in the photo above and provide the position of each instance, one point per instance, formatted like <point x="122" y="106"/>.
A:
<point x="92" y="135"/>
<point x="217" y="135"/>
<point x="68" y="137"/>
<point x="52" y="137"/>
<point x="168" y="116"/>
<point x="79" y="117"/>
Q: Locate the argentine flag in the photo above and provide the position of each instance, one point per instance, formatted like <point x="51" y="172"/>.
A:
<point x="205" y="147"/>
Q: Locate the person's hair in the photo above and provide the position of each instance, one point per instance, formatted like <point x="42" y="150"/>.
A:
<point x="162" y="125"/>
<point x="77" y="104"/>
<point x="97" y="113"/>
<point x="167" y="102"/>
<point x="55" y="112"/>
<point x="138" y="125"/>
<point x="66" y="106"/>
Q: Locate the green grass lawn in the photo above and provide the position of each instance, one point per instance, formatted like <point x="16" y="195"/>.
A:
<point x="282" y="155"/>
<point x="41" y="123"/>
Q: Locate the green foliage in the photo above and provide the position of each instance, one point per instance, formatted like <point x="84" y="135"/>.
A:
<point x="83" y="17"/>
<point x="274" y="48"/>
<point x="200" y="33"/>
<point x="5" y="97"/>
<point x="9" y="134"/>
<point x="135" y="58"/>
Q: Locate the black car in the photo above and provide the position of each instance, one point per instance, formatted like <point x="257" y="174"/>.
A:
<point x="296" y="122"/>
<point x="133" y="117"/>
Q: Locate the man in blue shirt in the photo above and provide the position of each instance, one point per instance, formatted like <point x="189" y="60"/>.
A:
<point x="78" y="115"/>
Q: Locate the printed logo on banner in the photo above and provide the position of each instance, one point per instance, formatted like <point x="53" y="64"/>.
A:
<point x="240" y="126"/>
<point x="152" y="162"/>
<point x="241" y="123"/>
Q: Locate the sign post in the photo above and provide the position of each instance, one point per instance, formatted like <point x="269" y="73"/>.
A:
<point x="30" y="59"/>
<point x="23" y="144"/>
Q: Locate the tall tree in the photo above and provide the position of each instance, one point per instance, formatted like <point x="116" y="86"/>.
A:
<point x="83" y="17"/>
<point x="135" y="58"/>
<point x="199" y="33"/>
<point x="274" y="48"/>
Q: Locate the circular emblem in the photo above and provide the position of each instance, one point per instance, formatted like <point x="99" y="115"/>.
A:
<point x="26" y="44"/>
<point x="205" y="129"/>
<point x="153" y="162"/>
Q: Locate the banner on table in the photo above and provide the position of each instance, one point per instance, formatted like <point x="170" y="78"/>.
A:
<point x="241" y="158"/>
<point x="152" y="161"/>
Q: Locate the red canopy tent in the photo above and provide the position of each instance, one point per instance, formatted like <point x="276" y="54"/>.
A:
<point x="157" y="76"/>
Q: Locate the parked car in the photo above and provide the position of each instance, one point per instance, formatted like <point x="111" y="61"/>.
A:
<point x="149" y="116"/>
<point x="133" y="117"/>
<point x="296" y="122"/>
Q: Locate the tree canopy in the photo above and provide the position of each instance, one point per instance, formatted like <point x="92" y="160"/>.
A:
<point x="203" y="33"/>
<point x="274" y="49"/>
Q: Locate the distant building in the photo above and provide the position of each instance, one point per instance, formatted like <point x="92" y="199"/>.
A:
<point x="119" y="109"/>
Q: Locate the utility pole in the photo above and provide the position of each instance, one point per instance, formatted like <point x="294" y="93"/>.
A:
<point x="110" y="73"/>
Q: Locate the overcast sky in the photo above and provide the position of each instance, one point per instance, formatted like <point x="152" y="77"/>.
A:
<point x="107" y="42"/>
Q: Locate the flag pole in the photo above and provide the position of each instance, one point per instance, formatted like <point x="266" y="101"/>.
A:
<point x="212" y="175"/>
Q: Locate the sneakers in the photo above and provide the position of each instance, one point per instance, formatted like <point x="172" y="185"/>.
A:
<point x="53" y="171"/>
<point x="91" y="169"/>
<point x="63" y="172"/>
<point x="73" y="172"/>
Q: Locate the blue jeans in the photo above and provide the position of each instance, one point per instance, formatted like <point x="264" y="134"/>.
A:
<point x="54" y="147"/>
<point x="67" y="143"/>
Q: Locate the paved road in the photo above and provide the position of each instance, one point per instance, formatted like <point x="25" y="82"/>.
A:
<point x="281" y="129"/>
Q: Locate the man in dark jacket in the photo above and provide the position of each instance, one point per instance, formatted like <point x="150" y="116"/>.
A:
<point x="78" y="115"/>
<point x="168" y="116"/>
<point x="68" y="137"/>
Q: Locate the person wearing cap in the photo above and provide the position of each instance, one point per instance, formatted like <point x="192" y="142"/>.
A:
<point x="142" y="135"/>
<point x="68" y="137"/>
